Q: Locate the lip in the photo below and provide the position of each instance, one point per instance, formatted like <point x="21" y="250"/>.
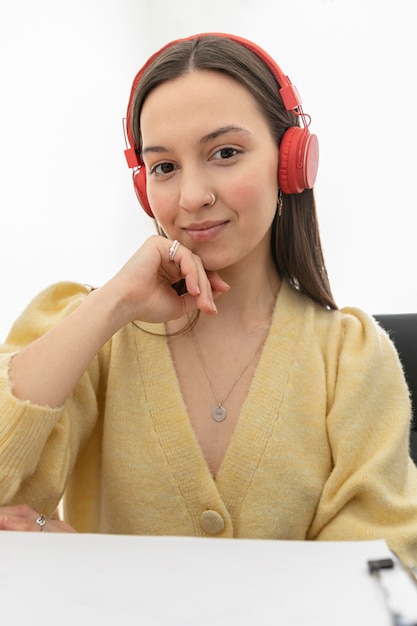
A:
<point x="205" y="231"/>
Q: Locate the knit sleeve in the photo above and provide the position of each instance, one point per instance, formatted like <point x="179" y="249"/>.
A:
<point x="372" y="490"/>
<point x="39" y="445"/>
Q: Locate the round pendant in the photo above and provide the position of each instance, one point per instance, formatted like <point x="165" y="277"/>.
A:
<point x="219" y="413"/>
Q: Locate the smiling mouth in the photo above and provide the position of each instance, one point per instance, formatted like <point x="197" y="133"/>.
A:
<point x="206" y="231"/>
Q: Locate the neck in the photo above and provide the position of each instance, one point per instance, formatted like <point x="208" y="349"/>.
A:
<point x="249" y="303"/>
<point x="253" y="291"/>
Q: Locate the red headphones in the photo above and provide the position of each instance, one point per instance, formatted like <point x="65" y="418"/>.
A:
<point x="298" y="150"/>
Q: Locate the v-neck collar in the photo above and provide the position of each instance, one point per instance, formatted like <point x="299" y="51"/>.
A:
<point x="257" y="418"/>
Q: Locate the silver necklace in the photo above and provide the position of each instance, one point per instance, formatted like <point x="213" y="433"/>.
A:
<point x="219" y="412"/>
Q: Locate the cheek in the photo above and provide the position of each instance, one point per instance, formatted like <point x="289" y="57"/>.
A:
<point x="162" y="206"/>
<point x="259" y="183"/>
<point x="246" y="193"/>
<point x="254" y="191"/>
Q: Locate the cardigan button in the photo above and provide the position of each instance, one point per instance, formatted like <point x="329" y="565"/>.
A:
<point x="212" y="522"/>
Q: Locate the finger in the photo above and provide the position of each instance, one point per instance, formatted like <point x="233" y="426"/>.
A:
<point x="22" y="524"/>
<point x="18" y="523"/>
<point x="19" y="510"/>
<point x="21" y="517"/>
<point x="198" y="285"/>
<point x="60" y="527"/>
<point x="217" y="283"/>
<point x="188" y="266"/>
<point x="204" y="286"/>
<point x="211" y="286"/>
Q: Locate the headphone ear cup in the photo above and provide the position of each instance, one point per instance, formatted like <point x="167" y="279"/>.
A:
<point x="298" y="160"/>
<point x="139" y="184"/>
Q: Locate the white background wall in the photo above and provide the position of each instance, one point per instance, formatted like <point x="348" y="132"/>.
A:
<point x="67" y="208"/>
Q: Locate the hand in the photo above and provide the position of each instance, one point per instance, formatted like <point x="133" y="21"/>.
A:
<point x="144" y="284"/>
<point x="23" y="518"/>
<point x="46" y="371"/>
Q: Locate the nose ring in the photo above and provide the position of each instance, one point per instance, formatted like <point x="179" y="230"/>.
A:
<point x="213" y="198"/>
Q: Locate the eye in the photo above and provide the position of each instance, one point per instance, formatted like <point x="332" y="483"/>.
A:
<point x="162" y="169"/>
<point x="225" y="153"/>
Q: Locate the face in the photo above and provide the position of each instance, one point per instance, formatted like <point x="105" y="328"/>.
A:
<point x="203" y="133"/>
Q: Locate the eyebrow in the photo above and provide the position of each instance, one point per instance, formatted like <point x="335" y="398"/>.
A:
<point x="223" y="130"/>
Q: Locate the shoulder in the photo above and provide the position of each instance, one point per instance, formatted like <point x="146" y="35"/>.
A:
<point x="360" y="345"/>
<point x="60" y="296"/>
<point x="349" y="328"/>
<point x="46" y="309"/>
<point x="361" y="329"/>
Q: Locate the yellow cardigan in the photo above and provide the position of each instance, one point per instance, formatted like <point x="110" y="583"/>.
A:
<point x="320" y="451"/>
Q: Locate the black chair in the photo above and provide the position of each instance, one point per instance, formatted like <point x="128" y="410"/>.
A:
<point x="402" y="328"/>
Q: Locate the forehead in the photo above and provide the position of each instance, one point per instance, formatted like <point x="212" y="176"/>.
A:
<point x="198" y="99"/>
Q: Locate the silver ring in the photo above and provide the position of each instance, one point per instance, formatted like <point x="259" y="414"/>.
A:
<point x="173" y="249"/>
<point x="41" y="521"/>
<point x="213" y="197"/>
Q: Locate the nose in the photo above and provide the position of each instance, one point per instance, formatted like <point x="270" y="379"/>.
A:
<point x="194" y="191"/>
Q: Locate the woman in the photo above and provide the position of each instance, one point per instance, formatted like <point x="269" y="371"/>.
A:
<point x="211" y="387"/>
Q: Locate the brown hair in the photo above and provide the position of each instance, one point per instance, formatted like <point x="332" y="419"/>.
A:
<point x="295" y="238"/>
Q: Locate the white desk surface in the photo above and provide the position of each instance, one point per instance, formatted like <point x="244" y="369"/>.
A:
<point x="170" y="581"/>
